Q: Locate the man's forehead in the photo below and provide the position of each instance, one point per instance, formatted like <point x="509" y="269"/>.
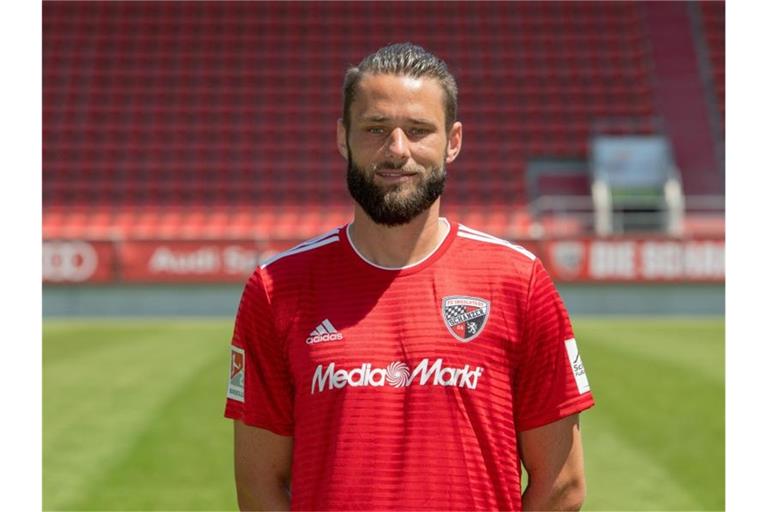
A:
<point x="384" y="84"/>
<point x="378" y="95"/>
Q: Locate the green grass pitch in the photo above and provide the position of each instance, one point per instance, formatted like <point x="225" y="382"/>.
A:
<point x="132" y="414"/>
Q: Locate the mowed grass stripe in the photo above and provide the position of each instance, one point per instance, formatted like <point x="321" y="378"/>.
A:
<point x="663" y="406"/>
<point x="623" y="477"/>
<point x="93" y="335"/>
<point x="697" y="344"/>
<point x="96" y="402"/>
<point x="182" y="460"/>
<point x="654" y="442"/>
<point x="83" y="383"/>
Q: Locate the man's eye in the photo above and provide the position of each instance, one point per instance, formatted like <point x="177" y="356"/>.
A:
<point x="375" y="130"/>
<point x="418" y="132"/>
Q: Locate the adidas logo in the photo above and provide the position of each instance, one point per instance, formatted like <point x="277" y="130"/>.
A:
<point x="324" y="332"/>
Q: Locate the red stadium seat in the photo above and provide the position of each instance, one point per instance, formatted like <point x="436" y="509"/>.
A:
<point x="212" y="112"/>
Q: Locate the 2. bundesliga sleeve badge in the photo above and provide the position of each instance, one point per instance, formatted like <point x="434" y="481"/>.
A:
<point x="464" y="316"/>
<point x="236" y="387"/>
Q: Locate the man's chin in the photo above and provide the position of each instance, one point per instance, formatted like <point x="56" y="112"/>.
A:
<point x="389" y="186"/>
<point x="397" y="195"/>
<point x="393" y="204"/>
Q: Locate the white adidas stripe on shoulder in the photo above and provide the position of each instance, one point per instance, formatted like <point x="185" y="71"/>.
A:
<point x="462" y="227"/>
<point x="474" y="234"/>
<point x="313" y="243"/>
<point x="330" y="233"/>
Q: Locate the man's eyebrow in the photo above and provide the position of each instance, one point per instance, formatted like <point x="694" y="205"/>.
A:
<point x="421" y="121"/>
<point x="375" y="118"/>
<point x="382" y="119"/>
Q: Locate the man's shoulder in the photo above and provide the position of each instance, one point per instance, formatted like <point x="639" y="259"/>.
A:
<point x="484" y="243"/>
<point x="297" y="257"/>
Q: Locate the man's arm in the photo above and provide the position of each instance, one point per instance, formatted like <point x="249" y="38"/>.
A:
<point x="553" y="458"/>
<point x="262" y="468"/>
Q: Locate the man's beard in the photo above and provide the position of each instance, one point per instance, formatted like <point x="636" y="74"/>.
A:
<point x="387" y="205"/>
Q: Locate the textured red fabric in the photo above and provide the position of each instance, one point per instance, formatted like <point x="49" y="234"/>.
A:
<point x="390" y="409"/>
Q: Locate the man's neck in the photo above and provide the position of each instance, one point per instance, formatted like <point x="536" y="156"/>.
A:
<point x="398" y="246"/>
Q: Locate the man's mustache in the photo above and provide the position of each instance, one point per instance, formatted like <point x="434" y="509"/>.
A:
<point x="394" y="167"/>
<point x="389" y="165"/>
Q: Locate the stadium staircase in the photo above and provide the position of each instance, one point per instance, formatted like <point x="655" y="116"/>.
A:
<point x="681" y="96"/>
<point x="217" y="119"/>
<point x="711" y="46"/>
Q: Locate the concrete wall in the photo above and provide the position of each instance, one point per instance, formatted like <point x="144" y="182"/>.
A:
<point x="222" y="300"/>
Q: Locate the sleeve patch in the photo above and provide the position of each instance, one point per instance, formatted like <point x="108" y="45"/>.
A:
<point x="236" y="387"/>
<point x="577" y="366"/>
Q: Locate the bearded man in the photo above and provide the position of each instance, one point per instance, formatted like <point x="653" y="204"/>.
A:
<point x="404" y="361"/>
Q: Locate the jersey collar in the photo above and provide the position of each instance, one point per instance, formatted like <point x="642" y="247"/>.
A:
<point x="407" y="269"/>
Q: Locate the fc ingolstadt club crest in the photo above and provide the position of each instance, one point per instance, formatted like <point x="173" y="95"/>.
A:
<point x="464" y="316"/>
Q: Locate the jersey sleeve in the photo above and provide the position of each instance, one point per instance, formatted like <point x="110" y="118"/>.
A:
<point x="550" y="381"/>
<point x="260" y="389"/>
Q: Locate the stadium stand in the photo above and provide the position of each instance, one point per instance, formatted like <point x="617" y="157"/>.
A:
<point x="681" y="96"/>
<point x="217" y="119"/>
<point x="713" y="18"/>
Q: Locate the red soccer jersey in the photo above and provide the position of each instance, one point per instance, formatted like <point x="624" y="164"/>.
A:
<point x="404" y="388"/>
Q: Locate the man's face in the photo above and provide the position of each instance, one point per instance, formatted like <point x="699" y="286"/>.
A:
<point x="397" y="146"/>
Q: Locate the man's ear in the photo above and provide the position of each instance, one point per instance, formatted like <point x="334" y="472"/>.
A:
<point x="454" y="142"/>
<point x="341" y="138"/>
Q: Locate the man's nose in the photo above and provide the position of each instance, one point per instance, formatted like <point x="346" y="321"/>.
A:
<point x="398" y="144"/>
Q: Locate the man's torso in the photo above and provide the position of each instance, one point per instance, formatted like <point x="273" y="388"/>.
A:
<point x="403" y="380"/>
